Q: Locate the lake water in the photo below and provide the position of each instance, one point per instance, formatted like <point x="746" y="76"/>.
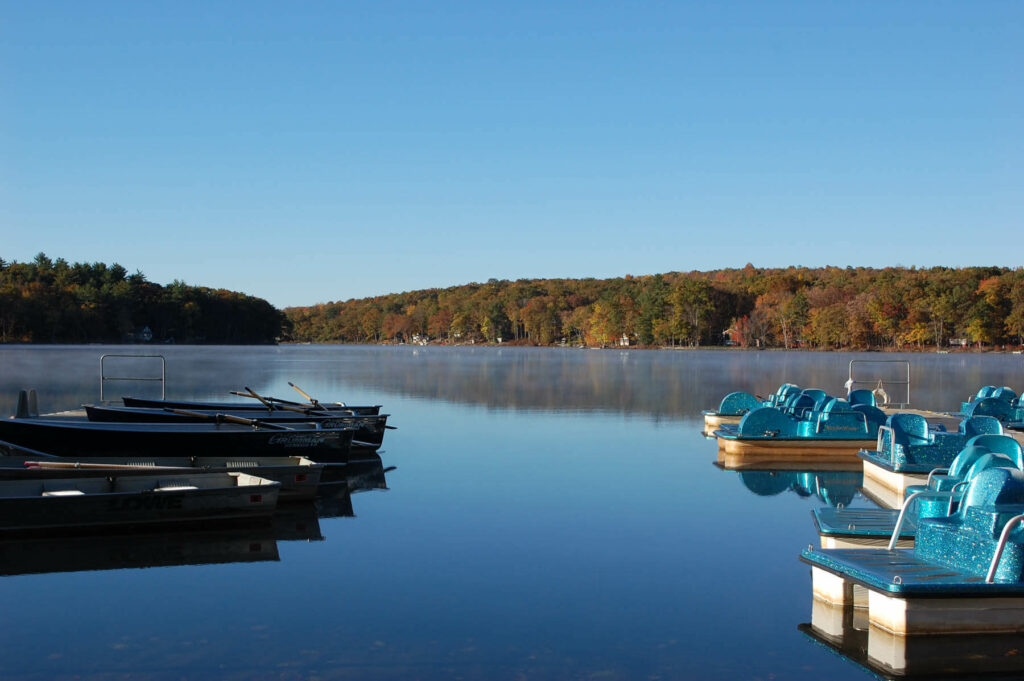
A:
<point x="553" y="514"/>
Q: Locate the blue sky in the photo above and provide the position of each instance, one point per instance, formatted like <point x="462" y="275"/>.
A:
<point x="315" y="151"/>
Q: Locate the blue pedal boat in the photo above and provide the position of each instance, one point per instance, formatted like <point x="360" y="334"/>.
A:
<point x="810" y="426"/>
<point x="965" y="573"/>
<point x="1001" y="403"/>
<point x="736" y="404"/>
<point x="908" y="448"/>
<point x="851" y="528"/>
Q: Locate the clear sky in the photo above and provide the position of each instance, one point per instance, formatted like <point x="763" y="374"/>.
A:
<point x="314" y="151"/>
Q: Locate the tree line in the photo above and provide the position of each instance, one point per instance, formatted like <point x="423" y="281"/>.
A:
<point x="47" y="301"/>
<point x="826" y="308"/>
<point x="53" y="301"/>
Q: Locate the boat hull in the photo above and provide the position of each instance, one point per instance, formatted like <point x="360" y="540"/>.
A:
<point x="360" y="410"/>
<point x="82" y="439"/>
<point x="133" y="501"/>
<point x="713" y="422"/>
<point x="299" y="477"/>
<point x="734" y="452"/>
<point x="905" y="612"/>
<point x="369" y="429"/>
<point x="888" y="488"/>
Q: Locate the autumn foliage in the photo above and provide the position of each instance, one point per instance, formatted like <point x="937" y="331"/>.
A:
<point x="829" y="307"/>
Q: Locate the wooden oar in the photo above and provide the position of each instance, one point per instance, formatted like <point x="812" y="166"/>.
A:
<point x="313" y="400"/>
<point x="266" y="403"/>
<point x="229" y="418"/>
<point x="302" y="392"/>
<point x="288" y="406"/>
<point x="277" y="401"/>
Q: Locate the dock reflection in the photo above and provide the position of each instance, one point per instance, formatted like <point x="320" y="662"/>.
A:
<point x="237" y="543"/>
<point x="846" y="632"/>
<point x="834" y="488"/>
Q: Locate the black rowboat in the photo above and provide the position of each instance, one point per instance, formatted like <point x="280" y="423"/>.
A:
<point x="133" y="500"/>
<point x="278" y="404"/>
<point x="79" y="439"/>
<point x="369" y="429"/>
<point x="299" y="477"/>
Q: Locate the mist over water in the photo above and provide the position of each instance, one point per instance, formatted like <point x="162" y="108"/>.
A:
<point x="554" y="513"/>
<point x="675" y="385"/>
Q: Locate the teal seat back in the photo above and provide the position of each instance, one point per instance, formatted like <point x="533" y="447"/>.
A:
<point x="836" y="404"/>
<point x="1004" y="394"/>
<point x="980" y="425"/>
<point x="963" y="461"/>
<point x="1002" y="444"/>
<point x="818" y="396"/>
<point x="909" y="429"/>
<point x="785" y="393"/>
<point x="738" y="403"/>
<point x="787" y="389"/>
<point x="862" y="396"/>
<point x="985" y="462"/>
<point x="802" y="403"/>
<point x="985" y="391"/>
<point x="992" y="487"/>
<point x="989" y="406"/>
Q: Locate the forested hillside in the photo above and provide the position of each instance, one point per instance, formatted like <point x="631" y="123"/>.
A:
<point x="809" y="307"/>
<point x="47" y="301"/>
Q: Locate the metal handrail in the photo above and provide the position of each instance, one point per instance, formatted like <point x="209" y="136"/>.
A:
<point x="957" y="486"/>
<point x="853" y="382"/>
<point x="1003" y="537"/>
<point x="878" y="443"/>
<point x="934" y="472"/>
<point x="162" y="378"/>
<point x="906" y="506"/>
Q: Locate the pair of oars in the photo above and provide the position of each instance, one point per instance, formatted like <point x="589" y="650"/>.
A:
<point x="272" y="403"/>
<point x="317" y="404"/>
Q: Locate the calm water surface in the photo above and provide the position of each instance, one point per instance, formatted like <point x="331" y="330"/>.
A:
<point x="553" y="514"/>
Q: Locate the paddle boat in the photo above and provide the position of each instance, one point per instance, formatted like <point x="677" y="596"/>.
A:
<point x="118" y="501"/>
<point x="908" y="448"/>
<point x="965" y="574"/>
<point x="810" y="426"/>
<point x="1001" y="403"/>
<point x="736" y="404"/>
<point x="874" y="527"/>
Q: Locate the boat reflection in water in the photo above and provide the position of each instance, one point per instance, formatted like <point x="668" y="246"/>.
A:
<point x="363" y="475"/>
<point x="846" y="632"/>
<point x="235" y="543"/>
<point x="835" y="488"/>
